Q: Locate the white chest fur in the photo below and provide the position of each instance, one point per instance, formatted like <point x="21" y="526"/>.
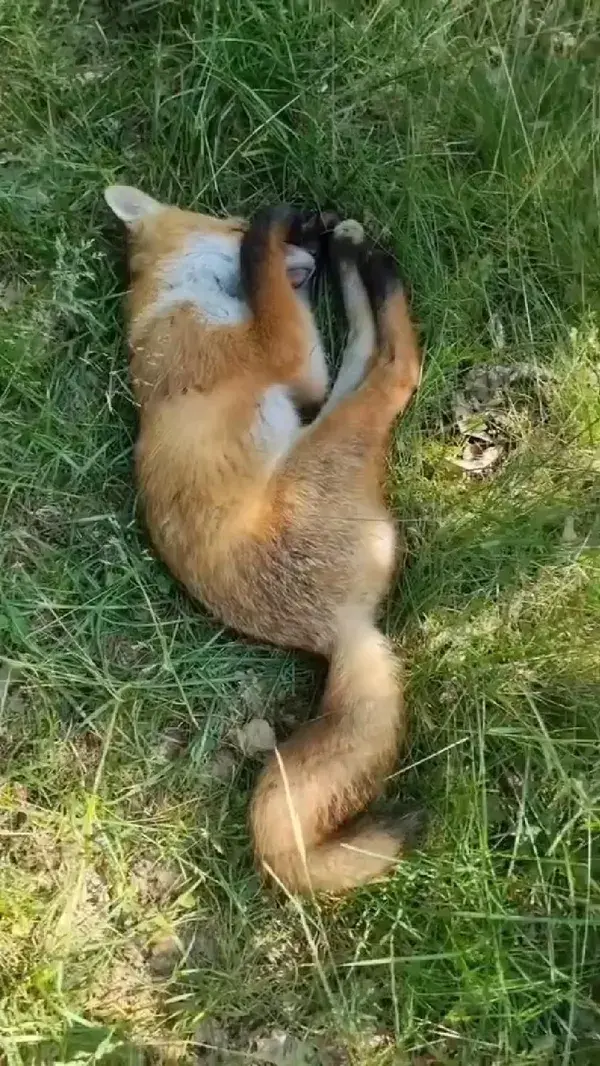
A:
<point x="277" y="425"/>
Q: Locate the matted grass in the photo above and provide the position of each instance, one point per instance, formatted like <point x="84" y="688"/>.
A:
<point x="132" y="927"/>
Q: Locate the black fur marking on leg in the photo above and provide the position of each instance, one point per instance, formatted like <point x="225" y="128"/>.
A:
<point x="408" y="824"/>
<point x="255" y="244"/>
<point x="380" y="276"/>
<point x="309" y="228"/>
<point x="345" y="250"/>
<point x="313" y="230"/>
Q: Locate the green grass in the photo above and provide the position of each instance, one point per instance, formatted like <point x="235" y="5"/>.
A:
<point x="467" y="132"/>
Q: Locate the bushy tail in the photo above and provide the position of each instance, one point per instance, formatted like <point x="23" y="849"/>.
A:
<point x="304" y="811"/>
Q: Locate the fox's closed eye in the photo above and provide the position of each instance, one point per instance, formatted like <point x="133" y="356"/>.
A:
<point x="300" y="265"/>
<point x="299" y="275"/>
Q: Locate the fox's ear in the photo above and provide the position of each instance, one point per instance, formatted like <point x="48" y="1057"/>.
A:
<point x="129" y="204"/>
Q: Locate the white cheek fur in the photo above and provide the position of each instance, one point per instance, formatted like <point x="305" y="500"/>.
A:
<point x="207" y="275"/>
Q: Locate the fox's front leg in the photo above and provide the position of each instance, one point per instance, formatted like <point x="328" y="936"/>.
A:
<point x="347" y="247"/>
<point x="282" y="330"/>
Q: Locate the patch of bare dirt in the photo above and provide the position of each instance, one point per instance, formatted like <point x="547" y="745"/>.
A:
<point x="155" y="883"/>
<point x="216" y="1046"/>
<point x="125" y="991"/>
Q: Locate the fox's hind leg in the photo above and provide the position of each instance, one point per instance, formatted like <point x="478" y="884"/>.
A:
<point x="336" y="467"/>
<point x="339" y="542"/>
<point x="348" y="245"/>
<point x="311" y="232"/>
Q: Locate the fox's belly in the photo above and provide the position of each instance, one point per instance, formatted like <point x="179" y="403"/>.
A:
<point x="291" y="589"/>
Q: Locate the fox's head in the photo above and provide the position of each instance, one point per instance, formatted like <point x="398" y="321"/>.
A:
<point x="160" y="234"/>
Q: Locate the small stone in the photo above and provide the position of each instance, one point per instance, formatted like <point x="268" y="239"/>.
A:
<point x="171" y="744"/>
<point x="164" y="955"/>
<point x="569" y="536"/>
<point x="256" y="737"/>
<point x="222" y="767"/>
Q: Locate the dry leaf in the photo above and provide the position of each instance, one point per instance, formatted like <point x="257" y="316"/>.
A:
<point x="10" y="700"/>
<point x="222" y="766"/>
<point x="5" y="680"/>
<point x="497" y="332"/>
<point x="10" y="294"/>
<point x="473" y="463"/>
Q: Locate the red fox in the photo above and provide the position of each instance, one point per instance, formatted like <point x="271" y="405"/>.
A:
<point x="280" y="529"/>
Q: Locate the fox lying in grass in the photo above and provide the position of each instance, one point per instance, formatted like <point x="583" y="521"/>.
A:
<point x="279" y="529"/>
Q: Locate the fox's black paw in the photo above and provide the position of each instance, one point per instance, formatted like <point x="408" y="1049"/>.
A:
<point x="349" y="243"/>
<point x="309" y="228"/>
